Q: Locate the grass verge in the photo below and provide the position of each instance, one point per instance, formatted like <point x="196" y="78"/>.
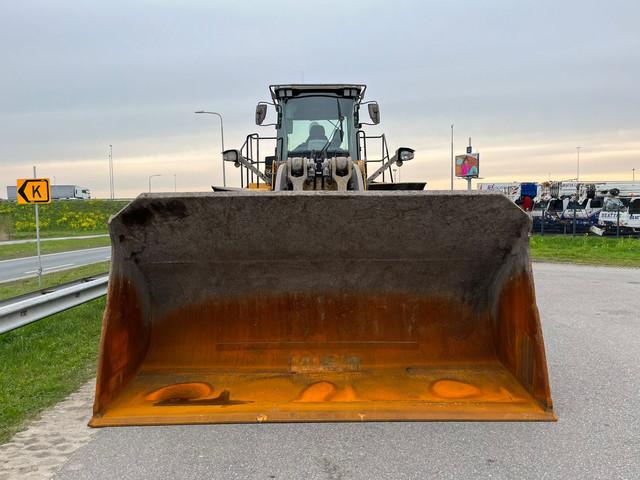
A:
<point x="44" y="362"/>
<point x="30" y="235"/>
<point x="12" y="289"/>
<point x="53" y="246"/>
<point x="624" y="252"/>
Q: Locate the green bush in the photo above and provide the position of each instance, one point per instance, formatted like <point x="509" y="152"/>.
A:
<point x="5" y="226"/>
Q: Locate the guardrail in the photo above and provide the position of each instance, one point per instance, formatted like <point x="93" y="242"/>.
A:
<point x="24" y="309"/>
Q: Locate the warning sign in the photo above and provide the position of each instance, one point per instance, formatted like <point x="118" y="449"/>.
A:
<point x="33" y="190"/>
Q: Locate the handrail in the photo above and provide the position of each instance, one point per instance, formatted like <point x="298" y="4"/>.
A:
<point x="363" y="138"/>
<point x="250" y="150"/>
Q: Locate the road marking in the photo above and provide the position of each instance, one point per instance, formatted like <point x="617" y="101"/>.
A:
<point x="48" y="269"/>
<point x="52" y="254"/>
<point x="58" y="266"/>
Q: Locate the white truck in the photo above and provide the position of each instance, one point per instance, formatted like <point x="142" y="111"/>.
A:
<point x="620" y="213"/>
<point x="58" y="192"/>
<point x="562" y="203"/>
<point x="621" y="210"/>
<point x="586" y="209"/>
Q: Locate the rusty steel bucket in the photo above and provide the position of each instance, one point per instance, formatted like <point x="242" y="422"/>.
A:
<point x="320" y="306"/>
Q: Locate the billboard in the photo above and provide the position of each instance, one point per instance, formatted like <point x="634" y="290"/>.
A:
<point x="467" y="165"/>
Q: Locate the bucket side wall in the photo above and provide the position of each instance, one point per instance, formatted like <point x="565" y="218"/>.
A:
<point x="126" y="328"/>
<point x="518" y="337"/>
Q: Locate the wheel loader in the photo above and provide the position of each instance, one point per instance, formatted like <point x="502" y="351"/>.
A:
<point x="321" y="289"/>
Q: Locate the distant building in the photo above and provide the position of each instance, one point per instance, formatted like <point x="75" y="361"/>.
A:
<point x="58" y="192"/>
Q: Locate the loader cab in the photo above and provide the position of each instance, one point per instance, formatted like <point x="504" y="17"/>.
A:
<point x="317" y="120"/>
<point x="319" y="143"/>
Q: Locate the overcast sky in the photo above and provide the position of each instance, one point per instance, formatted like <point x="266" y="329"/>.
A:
<point x="528" y="81"/>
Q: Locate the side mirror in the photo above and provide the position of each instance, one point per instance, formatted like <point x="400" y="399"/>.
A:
<point x="261" y="113"/>
<point x="374" y="112"/>
<point x="404" y="154"/>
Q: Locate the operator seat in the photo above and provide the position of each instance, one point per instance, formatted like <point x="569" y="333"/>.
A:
<point x="317" y="137"/>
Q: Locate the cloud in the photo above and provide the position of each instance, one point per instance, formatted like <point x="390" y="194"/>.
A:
<point x="528" y="81"/>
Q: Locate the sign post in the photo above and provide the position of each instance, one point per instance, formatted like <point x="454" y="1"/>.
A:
<point x="469" y="150"/>
<point x="34" y="191"/>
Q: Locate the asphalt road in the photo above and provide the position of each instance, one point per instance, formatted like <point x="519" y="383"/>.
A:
<point x="17" y="268"/>
<point x="591" y="321"/>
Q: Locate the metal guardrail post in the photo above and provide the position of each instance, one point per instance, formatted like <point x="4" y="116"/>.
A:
<point x="33" y="308"/>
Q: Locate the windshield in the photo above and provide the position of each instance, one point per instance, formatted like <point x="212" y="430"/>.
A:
<point x="312" y="124"/>
<point x="556" y="205"/>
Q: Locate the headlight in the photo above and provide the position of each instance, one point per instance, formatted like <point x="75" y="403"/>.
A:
<point x="405" y="154"/>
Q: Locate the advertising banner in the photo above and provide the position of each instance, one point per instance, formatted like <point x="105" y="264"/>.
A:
<point x="467" y="166"/>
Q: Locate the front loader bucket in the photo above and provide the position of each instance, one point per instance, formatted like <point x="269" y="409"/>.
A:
<point x="320" y="306"/>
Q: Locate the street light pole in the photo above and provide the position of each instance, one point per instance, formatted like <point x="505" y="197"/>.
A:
<point x="175" y="189"/>
<point x="224" y="173"/>
<point x="452" y="156"/>
<point x="111" y="192"/>
<point x="150" y="177"/>
<point x="578" y="170"/>
<point x="633" y="173"/>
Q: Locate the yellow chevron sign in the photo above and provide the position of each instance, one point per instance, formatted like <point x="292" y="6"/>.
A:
<point x="33" y="190"/>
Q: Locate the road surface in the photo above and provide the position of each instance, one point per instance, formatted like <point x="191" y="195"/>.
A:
<point x="18" y="268"/>
<point x="591" y="322"/>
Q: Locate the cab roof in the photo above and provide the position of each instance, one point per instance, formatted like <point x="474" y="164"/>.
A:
<point x="347" y="90"/>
